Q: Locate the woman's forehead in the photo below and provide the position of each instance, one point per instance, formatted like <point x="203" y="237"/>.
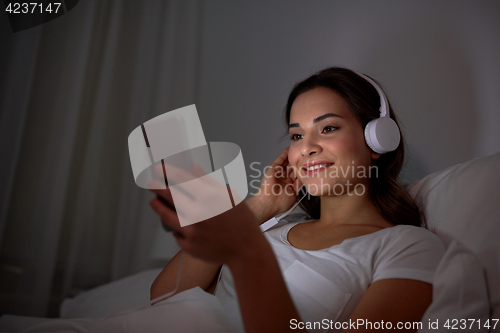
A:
<point x="317" y="102"/>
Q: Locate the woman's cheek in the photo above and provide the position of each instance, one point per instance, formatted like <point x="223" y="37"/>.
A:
<point x="292" y="158"/>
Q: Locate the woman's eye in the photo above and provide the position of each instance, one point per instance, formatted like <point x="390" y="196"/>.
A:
<point x="295" y="137"/>
<point x="329" y="129"/>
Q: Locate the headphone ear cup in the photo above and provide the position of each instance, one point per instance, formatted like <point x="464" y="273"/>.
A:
<point x="367" y="136"/>
<point x="382" y="135"/>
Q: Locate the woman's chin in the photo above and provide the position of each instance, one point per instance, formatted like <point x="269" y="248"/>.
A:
<point x="319" y="191"/>
<point x="333" y="189"/>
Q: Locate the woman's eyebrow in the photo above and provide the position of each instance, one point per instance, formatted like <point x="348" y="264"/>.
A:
<point x="320" y="118"/>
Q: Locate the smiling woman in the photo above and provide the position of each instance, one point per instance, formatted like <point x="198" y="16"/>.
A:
<point x="322" y="141"/>
<point x="356" y="103"/>
<point x="359" y="255"/>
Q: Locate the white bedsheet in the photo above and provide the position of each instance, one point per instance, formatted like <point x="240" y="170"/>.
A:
<point x="14" y="324"/>
<point x="193" y="310"/>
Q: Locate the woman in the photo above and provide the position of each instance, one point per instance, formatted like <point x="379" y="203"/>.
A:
<point x="360" y="256"/>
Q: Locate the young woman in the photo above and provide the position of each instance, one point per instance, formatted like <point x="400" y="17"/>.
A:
<point x="360" y="257"/>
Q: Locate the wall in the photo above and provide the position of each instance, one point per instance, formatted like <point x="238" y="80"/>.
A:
<point x="437" y="61"/>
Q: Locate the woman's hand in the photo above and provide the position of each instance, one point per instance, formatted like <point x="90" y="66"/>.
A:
<point x="278" y="189"/>
<point x="219" y="239"/>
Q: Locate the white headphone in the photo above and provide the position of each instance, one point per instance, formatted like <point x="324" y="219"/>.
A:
<point x="381" y="134"/>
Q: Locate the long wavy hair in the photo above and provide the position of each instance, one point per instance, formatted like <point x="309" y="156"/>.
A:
<point x="388" y="194"/>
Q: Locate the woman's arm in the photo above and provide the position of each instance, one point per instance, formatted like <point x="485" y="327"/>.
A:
<point x="194" y="273"/>
<point x="234" y="238"/>
<point x="398" y="301"/>
<point x="266" y="305"/>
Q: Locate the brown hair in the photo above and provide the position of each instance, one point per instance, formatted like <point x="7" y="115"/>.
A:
<point x="388" y="194"/>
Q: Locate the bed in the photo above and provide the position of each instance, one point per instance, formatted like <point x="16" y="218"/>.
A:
<point x="461" y="204"/>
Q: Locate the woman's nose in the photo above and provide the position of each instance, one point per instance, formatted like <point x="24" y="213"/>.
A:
<point x="310" y="146"/>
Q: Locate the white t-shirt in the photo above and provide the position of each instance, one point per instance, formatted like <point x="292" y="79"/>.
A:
<point x="329" y="283"/>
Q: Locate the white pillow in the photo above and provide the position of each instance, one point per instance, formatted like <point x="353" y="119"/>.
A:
<point x="462" y="202"/>
<point x="459" y="294"/>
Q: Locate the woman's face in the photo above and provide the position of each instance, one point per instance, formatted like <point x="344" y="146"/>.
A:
<point x="327" y="145"/>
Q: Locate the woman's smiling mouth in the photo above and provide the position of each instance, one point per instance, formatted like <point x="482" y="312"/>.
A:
<point x="312" y="168"/>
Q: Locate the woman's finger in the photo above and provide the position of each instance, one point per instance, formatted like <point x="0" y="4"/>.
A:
<point x="282" y="158"/>
<point x="201" y="186"/>
<point x="168" y="216"/>
<point x="156" y="184"/>
<point x="181" y="193"/>
<point x="158" y="170"/>
<point x="164" y="194"/>
<point x="282" y="165"/>
<point x="166" y="203"/>
<point x="199" y="172"/>
<point x="206" y="184"/>
<point x="291" y="171"/>
<point x="178" y="175"/>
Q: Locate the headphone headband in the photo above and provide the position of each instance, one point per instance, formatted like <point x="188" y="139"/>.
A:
<point x="384" y="109"/>
<point x="381" y="134"/>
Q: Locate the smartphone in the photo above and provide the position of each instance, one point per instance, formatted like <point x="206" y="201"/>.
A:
<point x="166" y="203"/>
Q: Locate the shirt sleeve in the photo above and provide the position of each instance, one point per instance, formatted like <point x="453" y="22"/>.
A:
<point x="412" y="253"/>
